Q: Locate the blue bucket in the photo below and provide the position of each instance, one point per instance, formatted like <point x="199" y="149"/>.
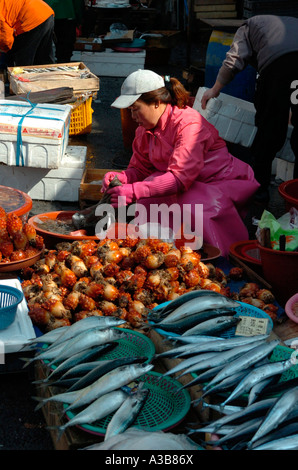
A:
<point x="10" y="297"/>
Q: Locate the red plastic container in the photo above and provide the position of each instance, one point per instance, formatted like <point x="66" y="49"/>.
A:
<point x="280" y="270"/>
<point x="289" y="191"/>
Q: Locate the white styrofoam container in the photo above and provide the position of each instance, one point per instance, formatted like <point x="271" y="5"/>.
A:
<point x="58" y="184"/>
<point x="110" y="63"/>
<point x="39" y="134"/>
<point x="284" y="169"/>
<point x="234" y="119"/>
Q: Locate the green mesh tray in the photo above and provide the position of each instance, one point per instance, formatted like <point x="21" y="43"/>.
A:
<point x="135" y="344"/>
<point x="164" y="407"/>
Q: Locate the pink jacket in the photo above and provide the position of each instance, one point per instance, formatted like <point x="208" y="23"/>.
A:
<point x="187" y="145"/>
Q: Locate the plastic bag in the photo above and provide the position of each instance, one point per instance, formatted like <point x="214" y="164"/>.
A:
<point x="286" y="225"/>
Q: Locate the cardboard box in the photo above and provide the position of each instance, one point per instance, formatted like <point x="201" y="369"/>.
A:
<point x="88" y="44"/>
<point x="91" y="184"/>
<point x="33" y="136"/>
<point x="44" y="77"/>
<point x="111" y="63"/>
<point x="61" y="184"/>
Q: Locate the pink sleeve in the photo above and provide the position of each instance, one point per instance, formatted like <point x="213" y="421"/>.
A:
<point x="192" y="143"/>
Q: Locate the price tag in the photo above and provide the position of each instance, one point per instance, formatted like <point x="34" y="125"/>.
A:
<point x="251" y="326"/>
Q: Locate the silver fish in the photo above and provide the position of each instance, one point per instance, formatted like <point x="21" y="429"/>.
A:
<point x="48" y="337"/>
<point x="127" y="413"/>
<point x="158" y="312"/>
<point x="92" y="337"/>
<point x="280" y="410"/>
<point x="79" y="359"/>
<point x="188" y="362"/>
<point x="255" y="409"/>
<point x="112" y="380"/>
<point x="259" y="373"/>
<point x="196" y="305"/>
<point x="213" y="326"/>
<point x="98" y="409"/>
<point x="284" y="443"/>
<point x="226" y="383"/>
<point x="240" y="432"/>
<point x="256" y="389"/>
<point x="221" y="358"/>
<point x="254" y="355"/>
<point x="87" y="323"/>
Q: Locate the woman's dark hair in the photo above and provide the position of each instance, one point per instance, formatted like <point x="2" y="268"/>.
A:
<point x="173" y="93"/>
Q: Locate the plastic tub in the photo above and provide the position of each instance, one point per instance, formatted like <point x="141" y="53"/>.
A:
<point x="289" y="308"/>
<point x="289" y="191"/>
<point x="280" y="270"/>
<point x="15" y="201"/>
<point x="52" y="238"/>
<point x="10" y="297"/>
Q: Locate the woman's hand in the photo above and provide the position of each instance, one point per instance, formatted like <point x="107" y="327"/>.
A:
<point x="109" y="176"/>
<point x="126" y="192"/>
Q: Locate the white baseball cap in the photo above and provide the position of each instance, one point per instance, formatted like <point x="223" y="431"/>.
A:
<point x="135" y="85"/>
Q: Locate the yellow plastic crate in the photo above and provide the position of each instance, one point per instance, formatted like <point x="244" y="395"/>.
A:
<point x="81" y="117"/>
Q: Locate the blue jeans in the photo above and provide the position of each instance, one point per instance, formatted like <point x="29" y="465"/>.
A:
<point x="34" y="47"/>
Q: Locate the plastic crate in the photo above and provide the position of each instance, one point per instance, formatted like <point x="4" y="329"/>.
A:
<point x="81" y="117"/>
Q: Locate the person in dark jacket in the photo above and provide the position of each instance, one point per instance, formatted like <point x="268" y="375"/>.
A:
<point x="270" y="44"/>
<point x="68" y="16"/>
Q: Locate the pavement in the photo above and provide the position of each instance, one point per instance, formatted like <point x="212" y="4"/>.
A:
<point x="21" y="427"/>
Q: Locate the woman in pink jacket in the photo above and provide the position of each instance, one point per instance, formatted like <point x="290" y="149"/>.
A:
<point x="178" y="158"/>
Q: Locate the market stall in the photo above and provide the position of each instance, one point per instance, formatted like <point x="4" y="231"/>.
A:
<point x="118" y="309"/>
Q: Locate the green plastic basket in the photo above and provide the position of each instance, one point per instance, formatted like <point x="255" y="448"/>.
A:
<point x="10" y="298"/>
<point x="164" y="407"/>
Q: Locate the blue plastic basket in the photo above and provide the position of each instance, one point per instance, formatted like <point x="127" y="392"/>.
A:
<point x="10" y="297"/>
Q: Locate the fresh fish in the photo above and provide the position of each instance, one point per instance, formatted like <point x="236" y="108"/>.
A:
<point x="247" y="359"/>
<point x="220" y="344"/>
<point x="259" y="373"/>
<point x="280" y="387"/>
<point x="279" y="411"/>
<point x="112" y="380"/>
<point x="214" y="326"/>
<point x="80" y="358"/>
<point x="227" y="410"/>
<point x="127" y="413"/>
<point x="207" y="302"/>
<point x="286" y="429"/>
<point x="97" y="410"/>
<point x="86" y="340"/>
<point x="103" y="367"/>
<point x="225" y="384"/>
<point x="257" y="389"/>
<point x="48" y="337"/>
<point x="188" y="362"/>
<point x="109" y="382"/>
<point x="220" y="359"/>
<point x="158" y="312"/>
<point x="196" y="339"/>
<point x="284" y="443"/>
<point x="242" y="431"/>
<point x="252" y="411"/>
<point x="181" y="326"/>
<point x="99" y="322"/>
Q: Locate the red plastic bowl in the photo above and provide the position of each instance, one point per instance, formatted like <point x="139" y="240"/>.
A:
<point x="289" y="191"/>
<point x="52" y="238"/>
<point x="289" y="308"/>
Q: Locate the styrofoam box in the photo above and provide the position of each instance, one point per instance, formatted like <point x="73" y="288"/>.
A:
<point x="234" y="119"/>
<point x="44" y="131"/>
<point x="61" y="184"/>
<point x="110" y="63"/>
